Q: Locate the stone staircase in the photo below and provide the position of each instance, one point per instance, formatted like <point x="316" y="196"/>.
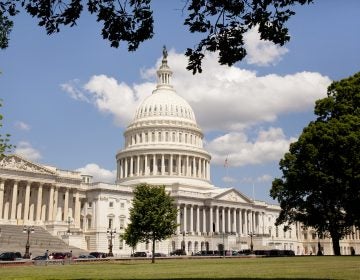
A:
<point x="13" y="239"/>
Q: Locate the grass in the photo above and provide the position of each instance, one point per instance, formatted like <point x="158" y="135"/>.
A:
<point x="327" y="267"/>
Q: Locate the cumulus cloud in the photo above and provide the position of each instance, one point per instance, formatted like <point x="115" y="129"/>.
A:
<point x="99" y="174"/>
<point x="261" y="52"/>
<point x="25" y="149"/>
<point x="230" y="98"/>
<point x="223" y="98"/>
<point x="22" y="126"/>
<point x="270" y="145"/>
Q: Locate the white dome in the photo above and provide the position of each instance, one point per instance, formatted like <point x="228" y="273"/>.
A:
<point x="164" y="103"/>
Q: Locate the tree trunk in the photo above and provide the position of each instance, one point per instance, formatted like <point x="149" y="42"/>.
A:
<point x="335" y="243"/>
<point x="153" y="251"/>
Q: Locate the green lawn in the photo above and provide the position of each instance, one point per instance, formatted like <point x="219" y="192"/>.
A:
<point x="326" y="267"/>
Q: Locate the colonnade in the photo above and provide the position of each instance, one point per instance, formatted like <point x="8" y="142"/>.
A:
<point x="217" y="219"/>
<point x="163" y="135"/>
<point x="31" y="202"/>
<point x="163" y="164"/>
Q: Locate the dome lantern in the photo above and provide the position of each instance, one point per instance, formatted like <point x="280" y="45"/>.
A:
<point x="164" y="73"/>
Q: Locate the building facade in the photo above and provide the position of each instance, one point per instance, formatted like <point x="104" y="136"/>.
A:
<point x="163" y="146"/>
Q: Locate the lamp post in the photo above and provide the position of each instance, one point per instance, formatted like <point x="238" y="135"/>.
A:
<point x="68" y="232"/>
<point x="28" y="230"/>
<point x="110" y="234"/>
<point x="251" y="234"/>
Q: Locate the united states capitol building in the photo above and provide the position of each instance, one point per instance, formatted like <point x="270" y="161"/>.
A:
<point x="163" y="146"/>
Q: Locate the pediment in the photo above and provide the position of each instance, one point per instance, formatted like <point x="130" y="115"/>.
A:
<point x="15" y="162"/>
<point x="233" y="196"/>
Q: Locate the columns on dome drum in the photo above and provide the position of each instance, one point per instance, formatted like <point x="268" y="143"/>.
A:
<point x="163" y="165"/>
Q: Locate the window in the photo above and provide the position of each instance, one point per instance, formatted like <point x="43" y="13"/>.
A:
<point x="121" y="242"/>
<point x="89" y="223"/>
<point x="110" y="223"/>
<point x="122" y="205"/>
<point x="276" y="232"/>
<point x="111" y="204"/>
<point x="90" y="204"/>
<point x="122" y="223"/>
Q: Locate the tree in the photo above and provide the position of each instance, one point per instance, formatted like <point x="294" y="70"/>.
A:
<point x="320" y="185"/>
<point x="152" y="216"/>
<point x="223" y="22"/>
<point x="5" y="145"/>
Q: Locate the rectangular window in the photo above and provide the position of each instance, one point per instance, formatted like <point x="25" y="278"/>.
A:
<point x="122" y="205"/>
<point x="121" y="243"/>
<point x="111" y="204"/>
<point x="122" y="223"/>
<point x="110" y="223"/>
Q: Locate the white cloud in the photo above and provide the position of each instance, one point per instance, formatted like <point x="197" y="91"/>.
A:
<point x="223" y="98"/>
<point x="230" y="98"/>
<point x="22" y="126"/>
<point x="99" y="174"/>
<point x="72" y="88"/>
<point x="264" y="178"/>
<point x="228" y="179"/>
<point x="261" y="52"/>
<point x="270" y="145"/>
<point x="25" y="149"/>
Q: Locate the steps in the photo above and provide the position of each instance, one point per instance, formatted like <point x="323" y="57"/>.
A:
<point x="13" y="239"/>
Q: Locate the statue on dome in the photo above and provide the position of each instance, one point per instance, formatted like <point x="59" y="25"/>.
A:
<point x="165" y="53"/>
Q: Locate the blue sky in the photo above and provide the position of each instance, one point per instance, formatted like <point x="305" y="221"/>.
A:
<point x="68" y="97"/>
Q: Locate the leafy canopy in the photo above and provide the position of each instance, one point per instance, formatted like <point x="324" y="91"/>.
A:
<point x="152" y="216"/>
<point x="222" y="22"/>
<point x="320" y="186"/>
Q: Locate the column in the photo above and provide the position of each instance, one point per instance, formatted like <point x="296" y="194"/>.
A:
<point x="51" y="203"/>
<point x="179" y="165"/>
<point x="194" y="167"/>
<point x="39" y="203"/>
<point x="229" y="220"/>
<point x="131" y="166"/>
<point x="138" y="166"/>
<point x="203" y="173"/>
<point x="126" y="168"/>
<point x="154" y="165"/>
<point x="245" y="222"/>
<point x="217" y="224"/>
<point x="178" y="219"/>
<point x="234" y="229"/>
<point x="2" y="188"/>
<point x="77" y="209"/>
<point x="198" y="219"/>
<point x="66" y="205"/>
<point x="27" y="202"/>
<point x="146" y="165"/>
<point x="56" y="195"/>
<point x="223" y="220"/>
<point x="204" y="220"/>
<point x="187" y="166"/>
<point x="191" y="218"/>
<point x="171" y="165"/>
<point x="120" y="169"/>
<point x="14" y="200"/>
<point x="185" y="219"/>
<point x="211" y="220"/>
<point x="162" y="164"/>
<point x="240" y="222"/>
